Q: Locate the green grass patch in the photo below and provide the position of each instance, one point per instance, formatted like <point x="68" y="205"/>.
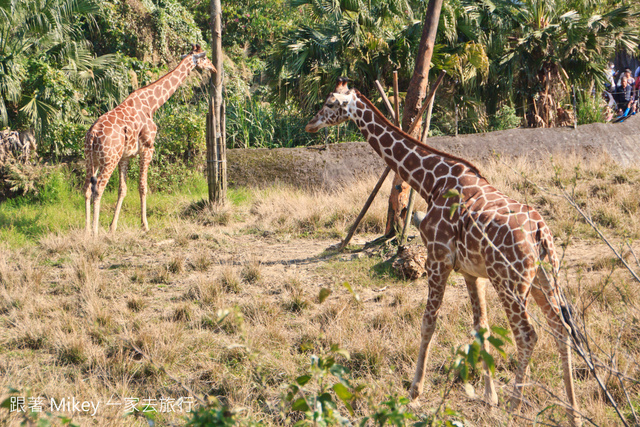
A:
<point x="58" y="206"/>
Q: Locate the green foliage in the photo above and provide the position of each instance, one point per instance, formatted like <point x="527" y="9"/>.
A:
<point x="590" y="110"/>
<point x="392" y="411"/>
<point x="215" y="414"/>
<point x="63" y="139"/>
<point x="254" y="123"/>
<point x="48" y="70"/>
<point x="156" y="30"/>
<point x="365" y="41"/>
<point x="36" y="184"/>
<point x="181" y="134"/>
<point x="468" y="356"/>
<point x="314" y="393"/>
<point x="254" y="25"/>
<point x="504" y="119"/>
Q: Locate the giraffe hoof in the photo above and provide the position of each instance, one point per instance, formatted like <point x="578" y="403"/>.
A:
<point x="415" y="391"/>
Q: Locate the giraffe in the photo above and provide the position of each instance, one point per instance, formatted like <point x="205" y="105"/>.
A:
<point x="488" y="236"/>
<point x="126" y="131"/>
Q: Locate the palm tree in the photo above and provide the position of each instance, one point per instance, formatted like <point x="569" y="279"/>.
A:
<point x="362" y="39"/>
<point x="554" y="46"/>
<point x="46" y="64"/>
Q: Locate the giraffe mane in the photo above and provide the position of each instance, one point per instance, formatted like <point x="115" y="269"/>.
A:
<point x="415" y="141"/>
<point x="164" y="77"/>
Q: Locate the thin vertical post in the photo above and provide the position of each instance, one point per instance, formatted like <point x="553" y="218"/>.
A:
<point x="396" y="99"/>
<point x="216" y="134"/>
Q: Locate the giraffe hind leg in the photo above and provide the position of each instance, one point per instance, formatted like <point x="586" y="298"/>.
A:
<point x="122" y="192"/>
<point x="477" y="295"/>
<point x="524" y="334"/>
<point x="89" y="191"/>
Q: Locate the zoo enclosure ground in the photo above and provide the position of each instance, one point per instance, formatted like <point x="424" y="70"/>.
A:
<point x="74" y="312"/>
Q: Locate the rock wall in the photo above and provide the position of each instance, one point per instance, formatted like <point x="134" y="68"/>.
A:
<point x="335" y="165"/>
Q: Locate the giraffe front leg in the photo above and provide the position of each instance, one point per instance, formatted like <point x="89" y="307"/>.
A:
<point x="477" y="295"/>
<point x="438" y="275"/>
<point x="122" y="192"/>
<point x="101" y="184"/>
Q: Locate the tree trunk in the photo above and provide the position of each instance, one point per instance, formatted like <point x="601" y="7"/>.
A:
<point x="416" y="92"/>
<point x="216" y="144"/>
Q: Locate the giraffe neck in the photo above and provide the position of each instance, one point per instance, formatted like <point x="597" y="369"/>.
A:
<point x="417" y="164"/>
<point x="158" y="92"/>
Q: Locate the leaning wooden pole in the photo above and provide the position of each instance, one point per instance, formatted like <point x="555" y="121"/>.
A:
<point x="416" y="92"/>
<point x="216" y="144"/>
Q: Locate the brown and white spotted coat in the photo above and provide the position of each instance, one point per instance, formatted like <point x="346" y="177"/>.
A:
<point x="489" y="236"/>
<point x="126" y="131"/>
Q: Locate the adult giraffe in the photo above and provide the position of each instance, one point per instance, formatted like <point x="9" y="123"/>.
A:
<point x="491" y="236"/>
<point x="127" y="131"/>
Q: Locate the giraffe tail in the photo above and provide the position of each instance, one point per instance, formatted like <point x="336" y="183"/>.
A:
<point x="567" y="315"/>
<point x="89" y="154"/>
<point x="94" y="187"/>
<point x="566" y="309"/>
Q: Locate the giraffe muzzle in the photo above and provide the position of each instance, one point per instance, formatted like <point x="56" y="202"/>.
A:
<point x="313" y="126"/>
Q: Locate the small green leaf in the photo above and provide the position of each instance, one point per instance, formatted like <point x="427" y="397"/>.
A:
<point x="350" y="289"/>
<point x="451" y="193"/>
<point x="326" y="400"/>
<point x="488" y="359"/>
<point x="303" y="379"/>
<point x="342" y="392"/>
<point x="495" y="342"/>
<point x="300" y="405"/>
<point x="453" y="209"/>
<point x="349" y="408"/>
<point x="342" y="352"/>
<point x="323" y="295"/>
<point x="502" y="332"/>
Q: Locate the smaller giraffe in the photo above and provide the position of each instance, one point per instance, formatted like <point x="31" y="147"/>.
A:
<point x="127" y="131"/>
<point x="488" y="236"/>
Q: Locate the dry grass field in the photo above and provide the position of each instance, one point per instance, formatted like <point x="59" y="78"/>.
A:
<point x="225" y="302"/>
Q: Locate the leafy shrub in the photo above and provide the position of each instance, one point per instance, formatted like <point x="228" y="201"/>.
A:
<point x="252" y="123"/>
<point x="125" y="27"/>
<point x="505" y="118"/>
<point x="590" y="109"/>
<point x="36" y="183"/>
<point x="63" y="138"/>
<point x="181" y="134"/>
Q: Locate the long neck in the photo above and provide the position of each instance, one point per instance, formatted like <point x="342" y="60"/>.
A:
<point x="158" y="92"/>
<point x="419" y="165"/>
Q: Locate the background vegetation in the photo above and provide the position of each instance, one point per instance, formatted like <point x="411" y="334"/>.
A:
<point x="66" y="62"/>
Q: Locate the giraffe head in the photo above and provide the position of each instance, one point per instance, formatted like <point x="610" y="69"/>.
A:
<point x="200" y="59"/>
<point x="335" y="109"/>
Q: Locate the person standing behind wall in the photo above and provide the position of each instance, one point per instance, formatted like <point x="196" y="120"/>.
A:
<point x="624" y="97"/>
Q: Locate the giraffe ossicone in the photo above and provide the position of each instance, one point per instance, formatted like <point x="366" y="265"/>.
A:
<point x="489" y="236"/>
<point x="127" y="131"/>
